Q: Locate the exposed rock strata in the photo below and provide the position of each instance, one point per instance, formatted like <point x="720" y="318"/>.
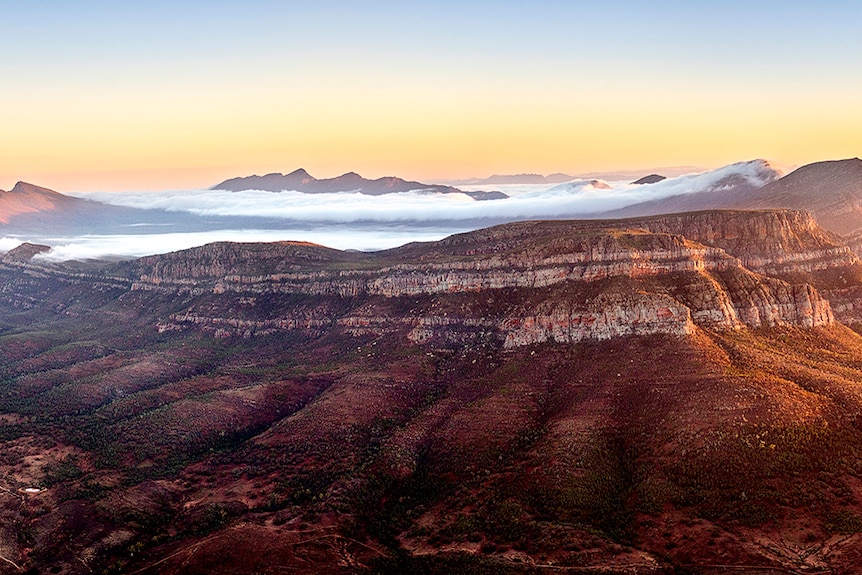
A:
<point x="505" y="286"/>
<point x="771" y="242"/>
<point x="675" y="283"/>
<point x="604" y="318"/>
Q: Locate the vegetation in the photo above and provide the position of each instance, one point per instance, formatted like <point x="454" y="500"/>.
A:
<point x="331" y="447"/>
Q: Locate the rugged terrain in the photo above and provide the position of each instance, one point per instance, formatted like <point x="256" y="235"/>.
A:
<point x="831" y="191"/>
<point x="658" y="395"/>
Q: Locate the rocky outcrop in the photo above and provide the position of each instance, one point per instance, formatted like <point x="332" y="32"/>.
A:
<point x="771" y="242"/>
<point x="506" y="286"/>
<point x="589" y="257"/>
<point x="24" y="253"/>
<point x="560" y="281"/>
<point x="604" y="318"/>
<point x="741" y="298"/>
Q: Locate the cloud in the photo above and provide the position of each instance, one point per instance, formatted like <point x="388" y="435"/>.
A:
<point x="574" y="199"/>
<point x="355" y="221"/>
<point x="125" y="246"/>
<point x="7" y="244"/>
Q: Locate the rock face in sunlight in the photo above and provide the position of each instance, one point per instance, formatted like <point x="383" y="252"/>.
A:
<point x="651" y="281"/>
<point x="617" y="396"/>
<point x="26" y="198"/>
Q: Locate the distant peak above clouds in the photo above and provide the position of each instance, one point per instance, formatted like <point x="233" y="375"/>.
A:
<point x="650" y="179"/>
<point x="26" y="198"/>
<point x="25" y="189"/>
<point x="301" y="181"/>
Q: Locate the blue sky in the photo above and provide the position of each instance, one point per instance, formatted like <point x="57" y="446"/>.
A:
<point x="194" y="91"/>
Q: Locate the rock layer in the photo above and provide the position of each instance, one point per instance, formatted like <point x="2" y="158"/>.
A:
<point x="560" y="281"/>
<point x="510" y="285"/>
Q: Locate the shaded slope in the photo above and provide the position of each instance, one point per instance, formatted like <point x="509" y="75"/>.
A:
<point x="650" y="179"/>
<point x="182" y="424"/>
<point x="30" y="210"/>
<point x="831" y="191"/>
<point x="629" y="454"/>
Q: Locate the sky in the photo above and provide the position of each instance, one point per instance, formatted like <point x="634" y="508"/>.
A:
<point x="115" y="96"/>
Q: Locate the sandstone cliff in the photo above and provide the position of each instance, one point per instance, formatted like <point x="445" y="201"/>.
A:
<point x="560" y="281"/>
<point x="773" y="242"/>
<point x="508" y="286"/>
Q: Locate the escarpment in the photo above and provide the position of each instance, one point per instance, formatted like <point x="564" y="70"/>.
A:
<point x="771" y="242"/>
<point x="511" y="285"/>
<point x="547" y="281"/>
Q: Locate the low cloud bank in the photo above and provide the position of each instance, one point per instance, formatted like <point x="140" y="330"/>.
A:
<point x="575" y="199"/>
<point x="363" y="222"/>
<point x="7" y="244"/>
<point x="121" y="246"/>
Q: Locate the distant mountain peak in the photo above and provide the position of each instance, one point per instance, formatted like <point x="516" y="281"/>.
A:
<point x="24" y="252"/>
<point x="650" y="179"/>
<point x="27" y="188"/>
<point x="26" y="198"/>
<point x="301" y="181"/>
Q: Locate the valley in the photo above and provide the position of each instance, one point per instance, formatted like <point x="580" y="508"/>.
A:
<point x="650" y="395"/>
<point x="430" y="288"/>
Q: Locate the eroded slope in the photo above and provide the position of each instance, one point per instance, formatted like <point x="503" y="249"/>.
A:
<point x="544" y="395"/>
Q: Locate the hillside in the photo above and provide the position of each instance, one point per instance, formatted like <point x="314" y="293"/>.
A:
<point x="36" y="212"/>
<point x="26" y="198"/>
<point x="658" y="395"/>
<point x="831" y="191"/>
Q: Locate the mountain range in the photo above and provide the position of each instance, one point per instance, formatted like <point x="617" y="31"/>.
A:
<point x="660" y="394"/>
<point x="301" y="181"/>
<point x="630" y="396"/>
<point x="831" y="191"/>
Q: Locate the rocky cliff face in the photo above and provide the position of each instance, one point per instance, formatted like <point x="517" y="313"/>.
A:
<point x="507" y="286"/>
<point x="558" y="281"/>
<point x="772" y="242"/>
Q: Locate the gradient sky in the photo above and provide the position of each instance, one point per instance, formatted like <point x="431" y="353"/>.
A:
<point x="157" y="95"/>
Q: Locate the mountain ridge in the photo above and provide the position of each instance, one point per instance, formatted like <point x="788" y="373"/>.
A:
<point x="831" y="190"/>
<point x="532" y="396"/>
<point x="301" y="181"/>
<point x="25" y="198"/>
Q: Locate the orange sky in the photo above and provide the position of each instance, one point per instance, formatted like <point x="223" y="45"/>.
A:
<point x="174" y="98"/>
